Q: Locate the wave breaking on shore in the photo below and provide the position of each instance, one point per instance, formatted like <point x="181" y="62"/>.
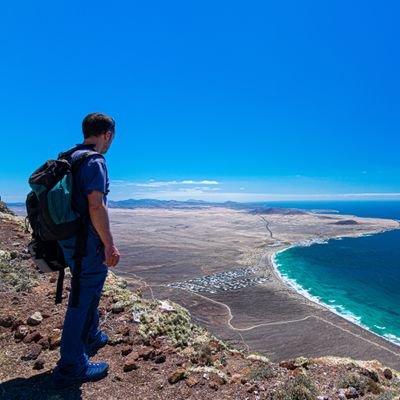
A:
<point x="337" y="309"/>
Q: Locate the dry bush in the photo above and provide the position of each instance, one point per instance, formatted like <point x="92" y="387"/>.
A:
<point x="261" y="372"/>
<point x="299" y="388"/>
<point x="15" y="276"/>
<point x="361" y="383"/>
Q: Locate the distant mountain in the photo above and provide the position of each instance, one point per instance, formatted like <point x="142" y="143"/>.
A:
<point x="154" y="203"/>
<point x="16" y="204"/>
<point x="346" y="222"/>
<point x="278" y="210"/>
<point x="17" y="208"/>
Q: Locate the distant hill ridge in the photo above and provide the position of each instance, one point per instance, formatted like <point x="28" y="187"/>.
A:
<point x="154" y="203"/>
<point x="19" y="208"/>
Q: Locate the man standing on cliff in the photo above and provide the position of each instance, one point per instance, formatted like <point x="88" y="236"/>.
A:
<point x="81" y="336"/>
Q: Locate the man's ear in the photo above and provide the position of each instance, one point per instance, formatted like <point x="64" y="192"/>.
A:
<point x="111" y="135"/>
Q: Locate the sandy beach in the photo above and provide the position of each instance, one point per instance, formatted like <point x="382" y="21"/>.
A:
<point x="217" y="263"/>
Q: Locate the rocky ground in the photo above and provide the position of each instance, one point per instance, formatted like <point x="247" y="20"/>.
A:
<point x="155" y="351"/>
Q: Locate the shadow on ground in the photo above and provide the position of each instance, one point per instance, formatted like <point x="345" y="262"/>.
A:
<point x="37" y="387"/>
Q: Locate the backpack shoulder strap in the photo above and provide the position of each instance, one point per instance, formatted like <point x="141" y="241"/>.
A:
<point x="76" y="162"/>
<point x="66" y="155"/>
<point x="81" y="238"/>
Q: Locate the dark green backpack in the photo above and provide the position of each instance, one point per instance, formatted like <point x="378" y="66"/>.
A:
<point x="51" y="214"/>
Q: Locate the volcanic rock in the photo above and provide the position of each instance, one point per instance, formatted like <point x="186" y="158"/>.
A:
<point x="39" y="364"/>
<point x="387" y="373"/>
<point x="35" y="319"/>
<point x="21" y="332"/>
<point x="177" y="375"/>
<point x="55" y="339"/>
<point x="6" y="321"/>
<point x="33" y="337"/>
<point x="32" y="352"/>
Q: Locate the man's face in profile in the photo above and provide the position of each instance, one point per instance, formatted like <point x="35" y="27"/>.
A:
<point x="108" y="139"/>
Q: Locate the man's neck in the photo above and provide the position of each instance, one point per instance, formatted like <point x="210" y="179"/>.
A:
<point x="93" y="142"/>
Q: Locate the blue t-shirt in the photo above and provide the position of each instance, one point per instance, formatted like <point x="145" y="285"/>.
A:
<point x="91" y="176"/>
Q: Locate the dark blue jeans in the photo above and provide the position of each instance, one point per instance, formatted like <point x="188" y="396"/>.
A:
<point x="81" y="322"/>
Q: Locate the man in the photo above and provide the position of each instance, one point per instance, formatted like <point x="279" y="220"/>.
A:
<point x="81" y="336"/>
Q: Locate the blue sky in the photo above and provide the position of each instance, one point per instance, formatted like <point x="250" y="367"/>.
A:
<point x="220" y="100"/>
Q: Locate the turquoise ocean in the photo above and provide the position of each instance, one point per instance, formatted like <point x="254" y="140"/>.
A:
<point x="358" y="278"/>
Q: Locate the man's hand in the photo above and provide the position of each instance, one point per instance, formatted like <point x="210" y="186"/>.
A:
<point x="112" y="256"/>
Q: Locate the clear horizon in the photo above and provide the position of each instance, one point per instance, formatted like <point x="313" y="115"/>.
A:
<point x="250" y="198"/>
<point x="212" y="101"/>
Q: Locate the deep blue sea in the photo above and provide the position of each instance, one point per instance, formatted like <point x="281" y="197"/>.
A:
<point x="358" y="278"/>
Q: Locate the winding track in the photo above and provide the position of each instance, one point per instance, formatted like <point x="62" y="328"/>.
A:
<point x="267" y="223"/>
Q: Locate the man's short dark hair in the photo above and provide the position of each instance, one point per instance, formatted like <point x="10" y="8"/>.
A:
<point x="95" y="124"/>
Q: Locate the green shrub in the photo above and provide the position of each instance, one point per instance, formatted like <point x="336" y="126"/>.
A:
<point x="373" y="387"/>
<point x="15" y="277"/>
<point x="388" y="395"/>
<point x="264" y="371"/>
<point x="299" y="388"/>
<point x="177" y="325"/>
<point x="361" y="383"/>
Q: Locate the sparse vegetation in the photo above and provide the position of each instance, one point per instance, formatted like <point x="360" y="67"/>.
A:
<point x="203" y="356"/>
<point x="373" y="387"/>
<point x="256" y="356"/>
<point x="387" y="395"/>
<point x="14" y="276"/>
<point x="395" y="383"/>
<point x="361" y="383"/>
<point x="261" y="372"/>
<point x="351" y="379"/>
<point x="177" y="324"/>
<point x="116" y="289"/>
<point x="299" y="388"/>
<point x="154" y="321"/>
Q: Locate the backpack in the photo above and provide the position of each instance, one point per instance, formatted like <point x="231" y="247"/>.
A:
<point x="52" y="217"/>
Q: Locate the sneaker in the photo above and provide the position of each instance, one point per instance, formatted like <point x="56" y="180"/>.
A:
<point x="91" y="373"/>
<point x="94" y="346"/>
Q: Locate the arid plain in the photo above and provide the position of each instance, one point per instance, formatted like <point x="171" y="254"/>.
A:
<point x="216" y="262"/>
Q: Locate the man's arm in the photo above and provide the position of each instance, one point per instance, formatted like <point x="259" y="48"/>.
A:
<point x="99" y="215"/>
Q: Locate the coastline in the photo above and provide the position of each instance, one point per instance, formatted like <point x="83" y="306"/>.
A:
<point x="300" y="290"/>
